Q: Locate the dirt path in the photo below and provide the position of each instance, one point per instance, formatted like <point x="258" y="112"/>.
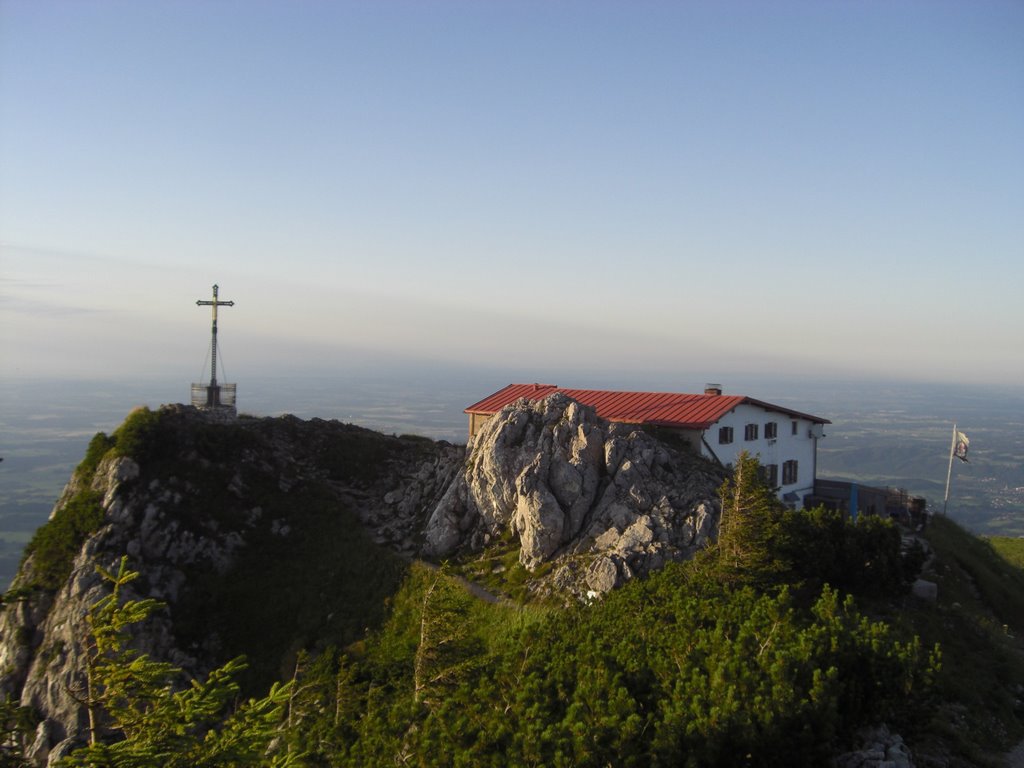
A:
<point x="472" y="587"/>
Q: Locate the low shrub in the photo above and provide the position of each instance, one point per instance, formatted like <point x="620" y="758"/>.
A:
<point x="134" y="437"/>
<point x="55" y="544"/>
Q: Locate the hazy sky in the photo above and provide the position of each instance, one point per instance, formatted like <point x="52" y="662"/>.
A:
<point x="693" y="187"/>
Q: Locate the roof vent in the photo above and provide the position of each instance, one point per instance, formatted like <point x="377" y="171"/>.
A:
<point x="712" y="389"/>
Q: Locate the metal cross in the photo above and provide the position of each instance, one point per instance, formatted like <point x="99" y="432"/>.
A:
<point x="213" y="354"/>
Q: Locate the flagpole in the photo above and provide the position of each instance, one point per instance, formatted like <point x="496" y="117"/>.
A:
<point x="949" y="471"/>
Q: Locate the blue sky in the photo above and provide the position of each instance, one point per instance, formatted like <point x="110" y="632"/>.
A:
<point x="697" y="189"/>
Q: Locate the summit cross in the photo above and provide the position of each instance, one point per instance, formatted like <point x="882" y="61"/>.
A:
<point x="213" y="345"/>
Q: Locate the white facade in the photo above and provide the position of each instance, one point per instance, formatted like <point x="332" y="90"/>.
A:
<point x="792" y="451"/>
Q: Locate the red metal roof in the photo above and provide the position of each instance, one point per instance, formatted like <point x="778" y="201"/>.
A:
<point x="666" y="409"/>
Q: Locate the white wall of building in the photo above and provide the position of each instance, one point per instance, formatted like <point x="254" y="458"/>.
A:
<point x="796" y="440"/>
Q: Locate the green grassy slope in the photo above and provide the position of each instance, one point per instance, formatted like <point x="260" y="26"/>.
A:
<point x="979" y="622"/>
<point x="1011" y="550"/>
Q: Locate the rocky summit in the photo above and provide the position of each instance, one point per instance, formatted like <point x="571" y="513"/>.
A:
<point x="215" y="517"/>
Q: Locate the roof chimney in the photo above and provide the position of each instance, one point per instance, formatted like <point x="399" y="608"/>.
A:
<point x="712" y="389"/>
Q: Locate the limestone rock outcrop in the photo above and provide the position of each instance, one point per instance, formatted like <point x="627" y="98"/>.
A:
<point x="603" y="501"/>
<point x="880" y="749"/>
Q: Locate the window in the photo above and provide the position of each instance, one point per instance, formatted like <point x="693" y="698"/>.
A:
<point x="771" y="430"/>
<point x="789" y="472"/>
<point x="750" y="432"/>
<point x="796" y="427"/>
<point x="770" y="474"/>
<point x="724" y="435"/>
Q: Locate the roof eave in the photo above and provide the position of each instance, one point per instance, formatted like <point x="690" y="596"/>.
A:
<point x="783" y="409"/>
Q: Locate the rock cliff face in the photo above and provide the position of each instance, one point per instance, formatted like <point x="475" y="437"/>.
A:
<point x="605" y="501"/>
